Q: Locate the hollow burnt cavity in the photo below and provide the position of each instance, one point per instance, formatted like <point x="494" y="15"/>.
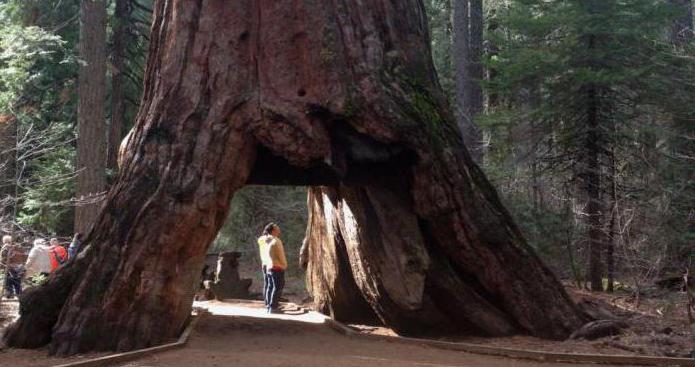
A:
<point x="403" y="226"/>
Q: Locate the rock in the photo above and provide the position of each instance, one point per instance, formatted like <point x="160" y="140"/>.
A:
<point x="599" y="329"/>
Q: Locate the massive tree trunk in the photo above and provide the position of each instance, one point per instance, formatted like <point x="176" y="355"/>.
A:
<point x="336" y="94"/>
<point x="91" y="135"/>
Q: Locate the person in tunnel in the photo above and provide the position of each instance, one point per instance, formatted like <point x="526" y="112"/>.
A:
<point x="274" y="264"/>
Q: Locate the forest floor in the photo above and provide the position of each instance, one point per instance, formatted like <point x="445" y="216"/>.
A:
<point x="242" y="334"/>
<point x="658" y="327"/>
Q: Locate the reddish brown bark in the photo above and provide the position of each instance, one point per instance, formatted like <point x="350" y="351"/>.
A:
<point x="338" y="93"/>
<point x="329" y="276"/>
<point x="91" y="155"/>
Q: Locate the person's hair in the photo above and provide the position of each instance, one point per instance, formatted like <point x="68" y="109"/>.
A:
<point x="53" y="239"/>
<point x="6" y="239"/>
<point x="269" y="228"/>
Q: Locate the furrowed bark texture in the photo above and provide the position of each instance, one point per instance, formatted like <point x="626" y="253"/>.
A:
<point x="329" y="276"/>
<point x="91" y="155"/>
<point x="340" y="94"/>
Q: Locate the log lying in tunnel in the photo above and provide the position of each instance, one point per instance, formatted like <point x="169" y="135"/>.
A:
<point x="340" y="93"/>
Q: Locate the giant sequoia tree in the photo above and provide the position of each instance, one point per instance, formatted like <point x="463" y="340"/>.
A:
<point x="337" y="95"/>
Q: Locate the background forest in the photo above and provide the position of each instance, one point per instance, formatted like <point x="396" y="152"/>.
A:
<point x="579" y="111"/>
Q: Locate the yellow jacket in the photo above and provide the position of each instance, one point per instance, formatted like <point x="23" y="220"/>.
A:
<point x="272" y="252"/>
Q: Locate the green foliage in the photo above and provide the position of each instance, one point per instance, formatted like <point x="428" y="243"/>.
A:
<point x="37" y="73"/>
<point x="551" y="54"/>
<point x="46" y="206"/>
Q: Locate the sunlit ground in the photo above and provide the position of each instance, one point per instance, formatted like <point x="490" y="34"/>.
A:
<point x="256" y="309"/>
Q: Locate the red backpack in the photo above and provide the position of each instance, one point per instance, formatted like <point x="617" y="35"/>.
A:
<point x="58" y="257"/>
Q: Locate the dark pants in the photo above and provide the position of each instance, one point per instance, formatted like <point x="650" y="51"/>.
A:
<point x="266" y="286"/>
<point x="277" y="283"/>
<point x="13" y="282"/>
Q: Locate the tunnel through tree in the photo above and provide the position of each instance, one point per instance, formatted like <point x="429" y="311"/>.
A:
<point x="346" y="94"/>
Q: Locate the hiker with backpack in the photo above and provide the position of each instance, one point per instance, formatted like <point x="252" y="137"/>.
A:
<point x="59" y="255"/>
<point x="39" y="260"/>
<point x="12" y="259"/>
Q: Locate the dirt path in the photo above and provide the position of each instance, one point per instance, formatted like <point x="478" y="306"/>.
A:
<point x="242" y="335"/>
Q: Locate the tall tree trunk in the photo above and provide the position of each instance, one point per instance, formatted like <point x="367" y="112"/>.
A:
<point x="467" y="48"/>
<point x="121" y="20"/>
<point x="613" y="224"/>
<point x="91" y="154"/>
<point x="491" y="49"/>
<point x="682" y="27"/>
<point x="681" y="35"/>
<point x="8" y="168"/>
<point x="343" y="94"/>
<point x="591" y="185"/>
<point x="475" y="100"/>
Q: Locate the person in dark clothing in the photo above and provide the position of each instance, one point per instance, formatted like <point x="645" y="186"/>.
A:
<point x="12" y="259"/>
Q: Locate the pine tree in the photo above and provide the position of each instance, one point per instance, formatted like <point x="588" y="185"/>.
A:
<point x="597" y="65"/>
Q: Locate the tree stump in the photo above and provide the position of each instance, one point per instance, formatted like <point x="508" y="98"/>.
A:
<point x="228" y="283"/>
<point x="341" y="94"/>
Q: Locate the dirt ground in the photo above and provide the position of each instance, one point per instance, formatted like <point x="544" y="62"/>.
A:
<point x="242" y="334"/>
<point x="9" y="310"/>
<point x="227" y="338"/>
